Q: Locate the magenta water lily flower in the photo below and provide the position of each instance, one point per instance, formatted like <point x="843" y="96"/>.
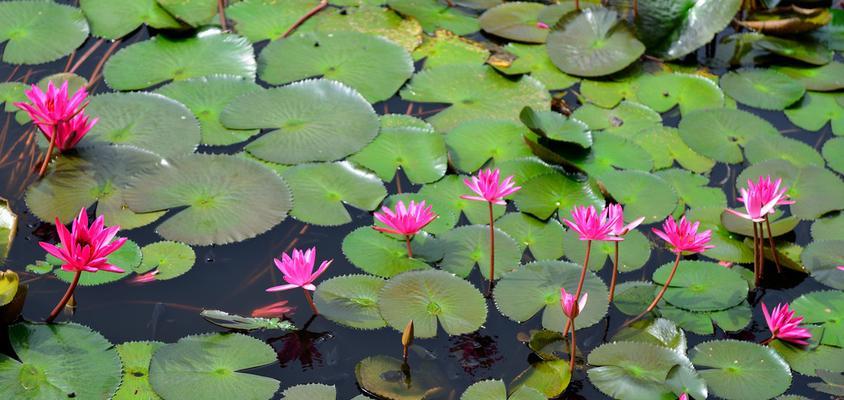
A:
<point x="298" y="271"/>
<point x="83" y="249"/>
<point x="683" y="237"/>
<point x="785" y="325"/>
<point x="616" y="213"/>
<point x="405" y="221"/>
<point x="591" y="225"/>
<point x="840" y="267"/>
<point x="683" y="397"/>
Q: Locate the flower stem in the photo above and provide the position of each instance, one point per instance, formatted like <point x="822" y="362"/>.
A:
<point x="614" y="272"/>
<point x="771" y="243"/>
<point x="322" y="4"/>
<point x="635" y="9"/>
<point x="768" y="340"/>
<point x="756" y="254"/>
<point x="761" y="253"/>
<point x="49" y="154"/>
<point x="577" y="5"/>
<point x="407" y="242"/>
<point x="491" y="251"/>
<point x="580" y="283"/>
<point x="573" y="348"/>
<point x="221" y="9"/>
<point x="311" y="302"/>
<point x="661" y="292"/>
<point x="67" y="295"/>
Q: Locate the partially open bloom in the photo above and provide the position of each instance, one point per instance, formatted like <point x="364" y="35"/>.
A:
<point x="298" y="270"/>
<point x="683" y="237"/>
<point x="683" y="397"/>
<point x="593" y="226"/>
<point x="85" y="248"/>
<point x="761" y="198"/>
<point x="572" y="307"/>
<point x="488" y="188"/>
<point x="784" y="325"/>
<point x="56" y="114"/>
<point x="616" y="213"/>
<point x="542" y="25"/>
<point x="840" y="267"/>
<point x="406" y="221"/>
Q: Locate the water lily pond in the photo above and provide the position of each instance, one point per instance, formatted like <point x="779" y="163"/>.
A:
<point x="421" y="199"/>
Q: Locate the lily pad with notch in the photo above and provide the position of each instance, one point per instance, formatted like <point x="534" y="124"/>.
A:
<point x="193" y="12"/>
<point x="549" y="377"/>
<point x="135" y="357"/>
<point x="556" y="127"/>
<point x="518" y="20"/>
<point x="626" y="119"/>
<point x="816" y="109"/>
<point x="810" y="360"/>
<point x="351" y="300"/>
<point x="387" y="377"/>
<point x="36" y="32"/>
<point x="823" y="309"/>
<point x="168" y="259"/>
<point x="794" y="151"/>
<point x="662" y="92"/>
<point x="741" y="370"/>
<point x="473" y="143"/>
<point x="260" y="20"/>
<point x="446" y="48"/>
<point x="693" y="189"/>
<point x="635" y="370"/>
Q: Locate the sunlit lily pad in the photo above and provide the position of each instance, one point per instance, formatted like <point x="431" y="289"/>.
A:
<point x="351" y="58"/>
<point x="447" y="192"/>
<point x="169" y="259"/>
<point x="816" y="110"/>
<point x="469" y="245"/>
<point x="473" y="143"/>
<point x="310" y="391"/>
<point x="794" y="151"/>
<point x="800" y="50"/>
<point x="641" y="193"/>
<point x="518" y="20"/>
<point x="213" y="362"/>
<point x="808" y="361"/>
<point x="419" y="152"/>
<point x="534" y="60"/>
<point x="135" y="357"/>
<point x="693" y="189"/>
<point x="215" y="189"/>
<point x="321" y="192"/>
<point x="378" y="254"/>
<point x="59" y="362"/>
<point x="113" y="19"/>
<point x="741" y="370"/>
<point x="718" y="134"/>
<point x="702" y="286"/>
<point x="206" y="97"/>
<point x="351" y="300"/>
<point x="127" y="258"/>
<point x="314" y="120"/>
<point x="434" y="15"/>
<point x="446" y="48"/>
<point x="543" y="195"/>
<point x="426" y="297"/>
<point x="634" y="370"/>
<point x="259" y="20"/>
<point x="474" y="92"/>
<point x="384" y="376"/>
<point x="762" y="88"/>
<point x="193" y="12"/>
<point x="691" y="92"/>
<point x="37" y="32"/>
<point x="556" y="127"/>
<point x="495" y="390"/>
<point x="829" y="77"/>
<point x="593" y="42"/>
<point x="535" y="287"/>
<point x="633" y="252"/>
<point x="823" y="309"/>
<point x="145" y="120"/>
<point x="833" y="152"/>
<point x="370" y="19"/>
<point x="674" y="29"/>
<point x="542" y="238"/>
<point x="610" y="91"/>
<point x="816" y="190"/>
<point x="550" y="378"/>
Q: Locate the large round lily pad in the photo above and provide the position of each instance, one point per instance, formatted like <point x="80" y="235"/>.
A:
<point x="718" y="134"/>
<point x="37" y="32"/>
<point x="702" y="286"/>
<point x="208" y="366"/>
<point x="379" y="254"/>
<point x="736" y="370"/>
<point x="163" y="59"/>
<point x="762" y="88"/>
<point x="314" y="120"/>
<point x="473" y="143"/>
<point x="426" y="297"/>
<point x="348" y="57"/>
<point x="259" y="20"/>
<point x="593" y="42"/>
<point x="227" y="199"/>
<point x="468" y="245"/>
<point x="113" y="19"/>
<point x="541" y="196"/>
<point x="636" y="371"/>
<point x="351" y="300"/>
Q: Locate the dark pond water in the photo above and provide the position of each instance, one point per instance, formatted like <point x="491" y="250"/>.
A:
<point x="233" y="278"/>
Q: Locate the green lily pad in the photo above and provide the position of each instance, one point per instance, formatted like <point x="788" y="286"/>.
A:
<point x="823" y="309"/>
<point x="214" y="211"/>
<point x="426" y="297"/>
<point x="794" y="151"/>
<point x="162" y="59"/>
<point x="808" y="361"/>
<point x="37" y="32"/>
<point x="609" y="152"/>
<point x="127" y="258"/>
<point x="59" y="362"/>
<point x="351" y="58"/>
<point x="832" y="383"/>
<point x="351" y="300"/>
<point x="534" y="60"/>
<point x="447" y="192"/>
<point x="322" y="190"/>
<point x="675" y="29"/>
<point x="74" y="82"/>
<point x="627" y="119"/>
<point x="145" y="120"/>
<point x="556" y="127"/>
<point x="135" y="357"/>
<point x="379" y="254"/>
<point x="314" y="120"/>
<point x="832" y="35"/>
<point x="641" y="193"/>
<point x="665" y="146"/>
<point x="468" y="245"/>
<point x="433" y="15"/>
<point x="762" y="88"/>
<point x="169" y="259"/>
<point x="718" y="134"/>
<point x="535" y="287"/>
<point x="800" y="50"/>
<point x="833" y="152"/>
<point x="733" y="319"/>
<point x="593" y="42"/>
<point x="550" y="378"/>
<point x="419" y="152"/>
<point x="608" y="92"/>
<point x="633" y="253"/>
<point x="816" y="190"/>
<point x="446" y="48"/>
<point x="193" y="12"/>
<point x="213" y="363"/>
<point x="828" y="228"/>
<point x="370" y="19"/>
<point x="310" y="391"/>
<point x="474" y="92"/>
<point x="660" y="331"/>
<point x="634" y="370"/>
<point x="632" y="297"/>
<point x="693" y="189"/>
<point x="741" y="370"/>
<point x="495" y="390"/>
<point x="523" y="169"/>
<point x="518" y="21"/>
<point x="827" y="78"/>
<point x="206" y="98"/>
<point x="113" y="19"/>
<point x="473" y="143"/>
<point x="702" y="286"/>
<point x="691" y="92"/>
<point x="816" y="110"/>
<point x="239" y="323"/>
<point x="541" y="196"/>
<point x="98" y="174"/>
<point x="542" y="238"/>
<point x="259" y="20"/>
<point x="386" y="377"/>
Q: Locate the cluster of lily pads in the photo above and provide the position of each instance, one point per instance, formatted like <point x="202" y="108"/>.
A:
<point x="235" y="115"/>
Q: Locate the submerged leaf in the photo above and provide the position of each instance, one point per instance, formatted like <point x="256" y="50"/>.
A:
<point x="238" y="323"/>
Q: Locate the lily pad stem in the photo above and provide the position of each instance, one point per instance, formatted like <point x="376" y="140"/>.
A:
<point x="771" y="243"/>
<point x="322" y="4"/>
<point x="67" y="295"/>
<point x="311" y="302"/>
<point x="580" y="283"/>
<point x="614" y="272"/>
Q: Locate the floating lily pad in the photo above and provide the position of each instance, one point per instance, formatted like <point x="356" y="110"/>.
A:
<point x="609" y="152"/>
<point x="94" y="174"/>
<point x="542" y="238"/>
<point x="215" y="189"/>
<point x="627" y="119"/>
<point x="829" y="77"/>
<point x="634" y="370"/>
<point x="550" y="378"/>
<point x="632" y="297"/>
<point x="702" y="286"/>
<point x="833" y="383"/>
<point x="447" y="192"/>
<point x="541" y="196"/>
<point x="660" y="331"/>
<point x="194" y="12"/>
<point x="351" y="300"/>
<point x="495" y="390"/>
<point x="762" y="88"/>
<point x="733" y="319"/>
<point x="816" y="110"/>
<point x="213" y="362"/>
<point x="693" y="189"/>
<point x="169" y="259"/>
<point x="808" y="361"/>
<point x="828" y="228"/>
<point x="370" y="19"/>
<point x="518" y="21"/>
<point x="434" y="15"/>
<point x="419" y="152"/>
<point x="691" y="92"/>
<point x="113" y="19"/>
<point x="823" y="309"/>
<point x="59" y="362"/>
<point x="426" y="297"/>
<point x="794" y="151"/>
<point x="610" y="91"/>
<point x="741" y="370"/>
<point x="259" y="20"/>
<point x="37" y="32"/>
<point x="535" y="287"/>
<point x="833" y="152"/>
<point x="135" y="357"/>
<point x="718" y="134"/>
<point x="523" y="169"/>
<point x="556" y="127"/>
<point x="534" y="60"/>
<point x="468" y="245"/>
<point x="239" y="323"/>
<point x="310" y="391"/>
<point x="74" y="82"/>
<point x="593" y="42"/>
<point x="474" y="92"/>
<point x="641" y="193"/>
<point x="322" y="190"/>
<point x="802" y="50"/>
<point x="206" y="97"/>
<point x="473" y="143"/>
<point x="378" y="254"/>
<point x="127" y="258"/>
<point x="351" y="58"/>
<point x="633" y="252"/>
<point x="163" y="59"/>
<point x="675" y="29"/>
<point x="145" y="120"/>
<point x="446" y="48"/>
<point x="386" y="377"/>
<point x="314" y="120"/>
<point x="816" y="190"/>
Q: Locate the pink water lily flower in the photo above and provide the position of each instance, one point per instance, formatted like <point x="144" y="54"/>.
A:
<point x="85" y="248"/>
<point x="785" y="325"/>
<point x="616" y="213"/>
<point x="298" y="271"/>
<point x="683" y="237"/>
<point x="593" y="226"/>
<point x="542" y="25"/>
<point x="840" y="267"/>
<point x="571" y="307"/>
<point x="761" y="198"/>
<point x="488" y="187"/>
<point x="683" y="397"/>
<point x="60" y="118"/>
